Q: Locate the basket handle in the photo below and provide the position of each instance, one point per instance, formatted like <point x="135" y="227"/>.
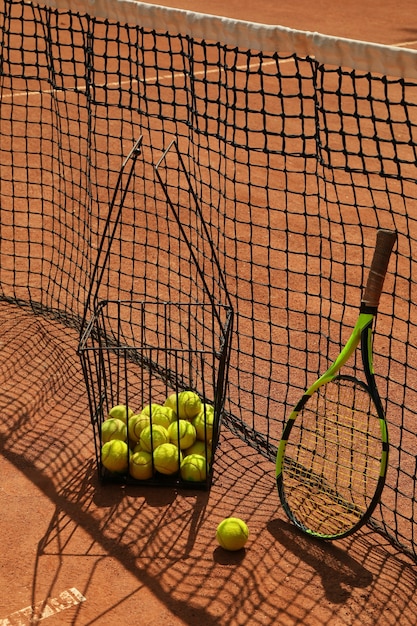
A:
<point x="103" y="250"/>
<point x="176" y="213"/>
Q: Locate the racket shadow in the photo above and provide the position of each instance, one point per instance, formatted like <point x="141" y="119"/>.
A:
<point x="340" y="573"/>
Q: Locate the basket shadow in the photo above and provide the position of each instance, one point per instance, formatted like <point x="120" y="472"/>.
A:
<point x="75" y="513"/>
<point x="45" y="435"/>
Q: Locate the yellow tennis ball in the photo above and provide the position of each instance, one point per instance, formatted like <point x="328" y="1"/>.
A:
<point x="201" y="448"/>
<point x="140" y="465"/>
<point x="164" y="416"/>
<point x="204" y="424"/>
<point x="194" y="468"/>
<point x="182" y="433"/>
<point x="150" y="408"/>
<point x="115" y="456"/>
<point x="208" y="408"/>
<point x="121" y="412"/>
<point x="167" y="458"/>
<point x="171" y="402"/>
<point x="189" y="405"/>
<point x="113" y="428"/>
<point x="232" y="533"/>
<point x="153" y="436"/>
<point x="135" y="426"/>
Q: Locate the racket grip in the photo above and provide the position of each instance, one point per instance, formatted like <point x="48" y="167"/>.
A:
<point x="385" y="241"/>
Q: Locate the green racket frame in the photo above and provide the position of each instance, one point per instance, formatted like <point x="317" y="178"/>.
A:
<point x="362" y="333"/>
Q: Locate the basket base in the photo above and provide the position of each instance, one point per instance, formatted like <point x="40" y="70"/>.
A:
<point x="157" y="481"/>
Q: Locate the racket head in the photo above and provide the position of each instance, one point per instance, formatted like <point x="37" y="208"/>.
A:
<point x="332" y="459"/>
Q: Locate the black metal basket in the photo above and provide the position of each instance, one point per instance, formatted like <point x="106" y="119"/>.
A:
<point x="156" y="378"/>
<point x="141" y="354"/>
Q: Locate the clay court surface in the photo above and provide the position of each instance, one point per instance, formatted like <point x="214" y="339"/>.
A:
<point x="78" y="552"/>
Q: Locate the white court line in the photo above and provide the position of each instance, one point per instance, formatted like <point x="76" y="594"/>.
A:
<point x="151" y="79"/>
<point x="404" y="44"/>
<point x="25" y="617"/>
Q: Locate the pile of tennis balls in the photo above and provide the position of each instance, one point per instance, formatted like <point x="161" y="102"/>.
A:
<point x="167" y="438"/>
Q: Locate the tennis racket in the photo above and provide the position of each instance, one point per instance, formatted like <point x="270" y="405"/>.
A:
<point x="333" y="455"/>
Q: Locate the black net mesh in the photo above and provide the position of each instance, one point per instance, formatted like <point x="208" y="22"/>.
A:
<point x="295" y="164"/>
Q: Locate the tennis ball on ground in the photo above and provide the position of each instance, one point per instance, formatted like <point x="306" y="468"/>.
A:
<point x="167" y="458"/>
<point x="182" y="434"/>
<point x="203" y="424"/>
<point x="121" y="412"/>
<point x="140" y="465"/>
<point x="115" y="456"/>
<point x="189" y="405"/>
<point x="199" y="447"/>
<point x="194" y="468"/>
<point x="164" y="416"/>
<point x="153" y="436"/>
<point x="232" y="533"/>
<point x="113" y="428"/>
<point x="135" y="426"/>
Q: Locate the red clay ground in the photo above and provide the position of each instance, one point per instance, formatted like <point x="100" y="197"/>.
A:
<point x="75" y="552"/>
<point x="80" y="553"/>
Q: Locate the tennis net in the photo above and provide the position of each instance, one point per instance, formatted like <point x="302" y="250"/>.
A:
<point x="298" y="146"/>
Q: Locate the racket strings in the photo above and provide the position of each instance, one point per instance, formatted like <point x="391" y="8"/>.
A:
<point x="333" y="458"/>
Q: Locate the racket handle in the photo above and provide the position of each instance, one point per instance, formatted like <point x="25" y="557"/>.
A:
<point x="385" y="241"/>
